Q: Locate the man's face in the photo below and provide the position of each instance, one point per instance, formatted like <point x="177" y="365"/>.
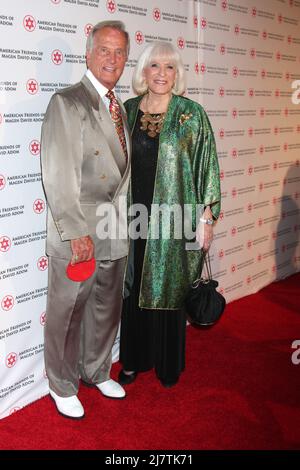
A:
<point x="107" y="58"/>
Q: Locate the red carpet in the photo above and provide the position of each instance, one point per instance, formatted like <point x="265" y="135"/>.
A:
<point x="240" y="390"/>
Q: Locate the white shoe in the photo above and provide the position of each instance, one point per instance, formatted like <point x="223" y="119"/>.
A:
<point x="111" y="389"/>
<point x="70" y="407"/>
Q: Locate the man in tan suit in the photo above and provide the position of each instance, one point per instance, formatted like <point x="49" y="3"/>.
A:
<point x="85" y="165"/>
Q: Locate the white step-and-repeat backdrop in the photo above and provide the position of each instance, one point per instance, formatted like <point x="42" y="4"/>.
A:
<point x="242" y="59"/>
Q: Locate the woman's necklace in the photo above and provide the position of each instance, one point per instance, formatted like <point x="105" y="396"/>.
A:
<point x="152" y="123"/>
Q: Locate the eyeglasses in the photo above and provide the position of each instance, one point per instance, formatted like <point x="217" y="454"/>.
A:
<point x="106" y="52"/>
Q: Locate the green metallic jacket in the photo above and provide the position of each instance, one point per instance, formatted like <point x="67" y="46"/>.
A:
<point x="187" y="173"/>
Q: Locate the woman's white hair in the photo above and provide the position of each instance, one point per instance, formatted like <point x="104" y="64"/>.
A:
<point x="158" y="50"/>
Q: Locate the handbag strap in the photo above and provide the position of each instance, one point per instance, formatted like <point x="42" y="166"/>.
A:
<point x="206" y="263"/>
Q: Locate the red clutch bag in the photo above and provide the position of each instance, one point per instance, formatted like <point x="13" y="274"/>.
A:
<point x="80" y="272"/>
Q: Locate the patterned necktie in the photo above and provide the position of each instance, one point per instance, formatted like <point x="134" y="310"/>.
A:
<point x="116" y="117"/>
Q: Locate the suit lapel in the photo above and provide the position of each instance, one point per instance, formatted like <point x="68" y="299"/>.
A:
<point x="107" y="125"/>
<point x="112" y="137"/>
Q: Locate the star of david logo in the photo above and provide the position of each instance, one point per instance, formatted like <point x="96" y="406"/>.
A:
<point x="250" y="131"/>
<point x="181" y="43"/>
<point x="222" y="49"/>
<point x="87" y="29"/>
<point x="261" y="149"/>
<point x="287" y="75"/>
<point x="278" y="55"/>
<point x="249" y="244"/>
<point x="251" y="92"/>
<point x="224" y="5"/>
<point x="43" y="319"/>
<point x="277" y="93"/>
<point x="262" y="112"/>
<point x="203" y="23"/>
<point x="234" y="192"/>
<point x="195" y="21"/>
<point x="275" y="165"/>
<point x="263" y="73"/>
<point x="264" y="34"/>
<point x="139" y="37"/>
<point x="280" y="18"/>
<point x="235" y="72"/>
<point x="202" y="68"/>
<point x="236" y="29"/>
<point x="38" y="206"/>
<point x="233" y="268"/>
<point x="248" y="280"/>
<point x="57" y="57"/>
<point x="274" y="202"/>
<point x="5" y="243"/>
<point x="7" y="302"/>
<point x="11" y="359"/>
<point x="32" y="86"/>
<point x="250" y="170"/>
<point x="286" y="111"/>
<point x="252" y="53"/>
<point x="35" y="147"/>
<point x="260" y="222"/>
<point x="222" y="174"/>
<point x="111" y="6"/>
<point x="196" y="67"/>
<point x="249" y="207"/>
<point x="289" y="39"/>
<point x="221" y="216"/>
<point x="254" y="11"/>
<point x="42" y="263"/>
<point x="2" y="182"/>
<point x="221" y="92"/>
<point x="221" y="254"/>
<point x="234" y="153"/>
<point x="285" y="147"/>
<point x="233" y="231"/>
<point x="29" y="23"/>
<point x="276" y="130"/>
<point x="221" y="133"/>
<point x="156" y="14"/>
<point x="234" y="113"/>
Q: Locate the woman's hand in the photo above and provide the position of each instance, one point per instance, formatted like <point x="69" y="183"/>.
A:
<point x="204" y="232"/>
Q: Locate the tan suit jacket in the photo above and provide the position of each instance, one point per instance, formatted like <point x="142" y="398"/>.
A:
<point x="83" y="166"/>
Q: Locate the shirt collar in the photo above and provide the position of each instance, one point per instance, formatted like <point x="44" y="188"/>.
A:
<point x="101" y="89"/>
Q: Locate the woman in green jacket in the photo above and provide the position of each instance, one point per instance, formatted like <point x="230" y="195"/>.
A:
<point x="175" y="172"/>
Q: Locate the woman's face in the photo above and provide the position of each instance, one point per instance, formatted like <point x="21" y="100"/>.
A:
<point x="160" y="76"/>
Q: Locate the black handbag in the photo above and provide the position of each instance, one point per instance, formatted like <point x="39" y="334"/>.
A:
<point x="203" y="303"/>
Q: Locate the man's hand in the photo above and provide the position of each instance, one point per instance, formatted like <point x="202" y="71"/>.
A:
<point x="82" y="249"/>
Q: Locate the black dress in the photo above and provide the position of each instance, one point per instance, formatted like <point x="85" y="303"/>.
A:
<point x="149" y="338"/>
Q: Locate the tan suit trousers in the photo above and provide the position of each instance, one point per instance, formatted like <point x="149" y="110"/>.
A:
<point x="82" y="321"/>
